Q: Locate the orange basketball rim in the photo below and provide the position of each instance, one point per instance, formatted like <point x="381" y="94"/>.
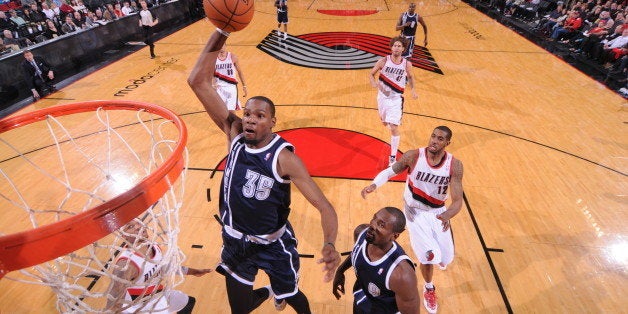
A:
<point x="28" y="248"/>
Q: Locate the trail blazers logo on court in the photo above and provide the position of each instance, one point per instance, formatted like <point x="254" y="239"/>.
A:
<point x="339" y="51"/>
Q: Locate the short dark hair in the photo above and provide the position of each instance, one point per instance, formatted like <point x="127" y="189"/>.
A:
<point x="400" y="220"/>
<point x="446" y="130"/>
<point x="267" y="100"/>
<point x="27" y="51"/>
<point x="401" y="39"/>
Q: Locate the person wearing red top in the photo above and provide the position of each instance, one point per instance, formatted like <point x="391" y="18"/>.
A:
<point x="571" y="25"/>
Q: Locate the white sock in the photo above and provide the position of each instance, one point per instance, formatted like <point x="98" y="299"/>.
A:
<point x="270" y="291"/>
<point x="394" y="145"/>
<point x="429" y="285"/>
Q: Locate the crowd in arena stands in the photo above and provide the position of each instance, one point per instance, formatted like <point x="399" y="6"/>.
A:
<point x="28" y="22"/>
<point x="593" y="29"/>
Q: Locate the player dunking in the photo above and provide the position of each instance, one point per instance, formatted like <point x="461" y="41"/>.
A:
<point x="226" y="82"/>
<point x="433" y="174"/>
<point x="394" y="73"/>
<point x="255" y="198"/>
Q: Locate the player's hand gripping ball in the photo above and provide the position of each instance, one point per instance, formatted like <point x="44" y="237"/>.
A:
<point x="229" y="15"/>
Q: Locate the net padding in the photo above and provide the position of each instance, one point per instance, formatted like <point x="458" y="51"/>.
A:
<point x="70" y="178"/>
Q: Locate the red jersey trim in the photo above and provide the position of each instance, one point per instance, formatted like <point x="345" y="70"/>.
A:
<point x="225" y="78"/>
<point x="422" y="197"/>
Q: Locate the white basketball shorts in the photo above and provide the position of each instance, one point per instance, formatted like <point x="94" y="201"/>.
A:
<point x="229" y="94"/>
<point x="430" y="244"/>
<point x="390" y="108"/>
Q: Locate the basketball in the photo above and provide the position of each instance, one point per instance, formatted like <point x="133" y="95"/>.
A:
<point x="229" y="15"/>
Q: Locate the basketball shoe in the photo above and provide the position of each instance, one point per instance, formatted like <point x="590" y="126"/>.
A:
<point x="279" y="305"/>
<point x="429" y="300"/>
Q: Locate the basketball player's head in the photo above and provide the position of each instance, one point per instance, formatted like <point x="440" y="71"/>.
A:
<point x="411" y="7"/>
<point x="385" y="227"/>
<point x="134" y="232"/>
<point x="440" y="138"/>
<point x="399" y="39"/>
<point x="258" y="120"/>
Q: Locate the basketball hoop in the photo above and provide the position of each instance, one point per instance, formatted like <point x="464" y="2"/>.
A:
<point x="92" y="167"/>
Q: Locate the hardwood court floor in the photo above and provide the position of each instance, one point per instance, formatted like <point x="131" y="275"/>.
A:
<point x="544" y="149"/>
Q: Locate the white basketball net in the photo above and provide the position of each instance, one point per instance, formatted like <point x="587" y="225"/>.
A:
<point x="73" y="164"/>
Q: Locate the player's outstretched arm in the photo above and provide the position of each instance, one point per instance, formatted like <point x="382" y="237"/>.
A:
<point x="404" y="283"/>
<point x="407" y="161"/>
<point x="200" y="80"/>
<point x="338" y="285"/>
<point x="291" y="165"/>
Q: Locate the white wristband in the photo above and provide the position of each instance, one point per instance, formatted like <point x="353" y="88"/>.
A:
<point x="383" y="176"/>
<point x="224" y="33"/>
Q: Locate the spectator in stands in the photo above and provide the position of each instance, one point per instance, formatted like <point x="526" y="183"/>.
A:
<point x="117" y="10"/>
<point x="596" y="50"/>
<point x="78" y="6"/>
<point x="10" y="42"/>
<point x="78" y="19"/>
<point x="614" y="49"/>
<point x="15" y="43"/>
<point x="568" y="29"/>
<point x="90" y="20"/>
<point x="55" y="8"/>
<point x="127" y="9"/>
<point x="111" y="10"/>
<point x="18" y="20"/>
<point x="620" y="18"/>
<point x="606" y="16"/>
<point x="108" y="16"/>
<point x="36" y="15"/>
<point x="593" y="15"/>
<point x="134" y="6"/>
<point x="99" y="18"/>
<point x="547" y="24"/>
<point x="38" y="74"/>
<point x="47" y="11"/>
<point x="3" y="49"/>
<point x="69" y="26"/>
<point x="6" y="22"/>
<point x="51" y="30"/>
<point x="592" y="37"/>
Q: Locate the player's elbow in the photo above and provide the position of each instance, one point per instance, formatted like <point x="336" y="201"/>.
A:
<point x="195" y="80"/>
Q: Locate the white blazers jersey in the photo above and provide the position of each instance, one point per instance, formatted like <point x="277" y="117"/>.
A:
<point x="225" y="72"/>
<point x="426" y="186"/>
<point x="148" y="269"/>
<point x="393" y="77"/>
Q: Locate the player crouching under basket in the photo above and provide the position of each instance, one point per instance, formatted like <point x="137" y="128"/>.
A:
<point x="138" y="285"/>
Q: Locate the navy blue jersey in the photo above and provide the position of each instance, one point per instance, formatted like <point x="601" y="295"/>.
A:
<point x="372" y="292"/>
<point x="414" y="19"/>
<point x="254" y="199"/>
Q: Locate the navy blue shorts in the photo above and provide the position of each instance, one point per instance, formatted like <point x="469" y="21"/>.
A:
<point x="282" y="17"/>
<point x="241" y="259"/>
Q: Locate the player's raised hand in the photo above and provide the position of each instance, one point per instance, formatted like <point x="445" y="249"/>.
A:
<point x="331" y="259"/>
<point x="368" y="189"/>
<point x="339" y="285"/>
